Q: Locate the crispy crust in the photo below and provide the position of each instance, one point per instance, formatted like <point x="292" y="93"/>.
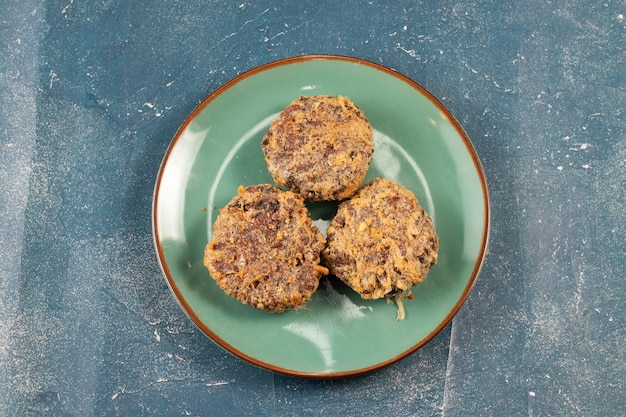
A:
<point x="320" y="147"/>
<point x="265" y="251"/>
<point x="381" y="242"/>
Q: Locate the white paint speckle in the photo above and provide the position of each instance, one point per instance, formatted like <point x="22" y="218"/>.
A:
<point x="64" y="11"/>
<point x="53" y="78"/>
<point x="560" y="168"/>
<point x="157" y="336"/>
<point x="218" y="383"/>
<point x="586" y="166"/>
<point x="411" y="52"/>
<point x="532" y="393"/>
<point x="122" y="390"/>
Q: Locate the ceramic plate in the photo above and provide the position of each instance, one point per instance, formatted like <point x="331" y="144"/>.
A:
<point x="418" y="144"/>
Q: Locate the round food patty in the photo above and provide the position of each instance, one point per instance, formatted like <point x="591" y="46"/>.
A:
<point x="265" y="251"/>
<point x="381" y="242"/>
<point x="320" y="147"/>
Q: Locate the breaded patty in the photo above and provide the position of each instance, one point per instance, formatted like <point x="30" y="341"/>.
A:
<point x="265" y="250"/>
<point x="381" y="242"/>
<point x="320" y="147"/>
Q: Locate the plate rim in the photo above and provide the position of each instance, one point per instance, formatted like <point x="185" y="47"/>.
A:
<point x="178" y="296"/>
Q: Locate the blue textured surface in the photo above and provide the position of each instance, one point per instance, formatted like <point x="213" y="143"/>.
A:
<point x="91" y="93"/>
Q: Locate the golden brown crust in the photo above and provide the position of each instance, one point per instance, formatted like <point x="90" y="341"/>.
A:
<point x="264" y="250"/>
<point x="381" y="241"/>
<point x="320" y="147"/>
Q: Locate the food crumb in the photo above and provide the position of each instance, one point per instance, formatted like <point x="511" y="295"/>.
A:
<point x="399" y="298"/>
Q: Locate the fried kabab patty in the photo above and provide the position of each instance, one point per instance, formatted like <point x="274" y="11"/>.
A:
<point x="264" y="250"/>
<point x="381" y="242"/>
<point x="319" y="146"/>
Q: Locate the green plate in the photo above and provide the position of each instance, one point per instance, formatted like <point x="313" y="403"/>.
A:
<point x="418" y="144"/>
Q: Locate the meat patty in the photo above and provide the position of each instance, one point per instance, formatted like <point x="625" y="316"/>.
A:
<point x="381" y="242"/>
<point x="320" y="147"/>
<point x="265" y="251"/>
